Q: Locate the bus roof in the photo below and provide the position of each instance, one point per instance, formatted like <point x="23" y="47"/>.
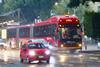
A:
<point x="55" y="20"/>
<point x="22" y="26"/>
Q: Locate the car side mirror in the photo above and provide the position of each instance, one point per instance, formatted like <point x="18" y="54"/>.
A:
<point x="47" y="47"/>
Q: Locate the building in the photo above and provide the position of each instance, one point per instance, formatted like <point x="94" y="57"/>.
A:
<point x="97" y="6"/>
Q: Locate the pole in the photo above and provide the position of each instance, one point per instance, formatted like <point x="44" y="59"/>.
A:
<point x="19" y="14"/>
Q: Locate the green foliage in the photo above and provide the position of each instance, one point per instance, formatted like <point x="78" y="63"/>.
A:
<point x="61" y="7"/>
<point x="10" y="5"/>
<point x="74" y="3"/>
<point x="96" y="0"/>
<point x="80" y="11"/>
<point x="1" y="8"/>
<point x="96" y="25"/>
<point x="88" y="23"/>
<point x="30" y="8"/>
<point x="92" y="24"/>
<point x="0" y="33"/>
<point x="34" y="8"/>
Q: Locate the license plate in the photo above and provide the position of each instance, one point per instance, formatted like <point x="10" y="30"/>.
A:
<point x="41" y="56"/>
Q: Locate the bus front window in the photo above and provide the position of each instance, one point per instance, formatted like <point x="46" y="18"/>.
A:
<point x="63" y="32"/>
<point x="73" y="32"/>
<point x="69" y="34"/>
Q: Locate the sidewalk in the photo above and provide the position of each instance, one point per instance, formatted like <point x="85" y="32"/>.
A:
<point x="90" y="49"/>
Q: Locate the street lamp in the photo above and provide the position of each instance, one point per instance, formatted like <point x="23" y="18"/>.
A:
<point x="85" y="37"/>
<point x="0" y="1"/>
<point x="56" y="3"/>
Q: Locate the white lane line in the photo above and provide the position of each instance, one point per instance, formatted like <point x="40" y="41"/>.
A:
<point x="94" y="58"/>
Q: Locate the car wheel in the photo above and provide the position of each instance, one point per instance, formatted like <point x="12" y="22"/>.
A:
<point x="48" y="61"/>
<point x="39" y="61"/>
<point x="21" y="60"/>
<point x="27" y="60"/>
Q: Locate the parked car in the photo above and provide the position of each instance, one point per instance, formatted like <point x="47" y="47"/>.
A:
<point x="34" y="51"/>
<point x="47" y="44"/>
<point x="2" y="44"/>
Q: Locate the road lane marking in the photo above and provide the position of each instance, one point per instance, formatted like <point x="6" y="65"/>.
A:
<point x="94" y="58"/>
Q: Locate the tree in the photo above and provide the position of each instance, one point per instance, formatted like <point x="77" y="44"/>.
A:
<point x="1" y="8"/>
<point x="90" y="7"/>
<point x="10" y="5"/>
<point x="35" y="8"/>
<point x="74" y="3"/>
<point x="30" y="8"/>
<point x="60" y="8"/>
<point x="88" y="23"/>
<point x="96" y="0"/>
<point x="96" y="24"/>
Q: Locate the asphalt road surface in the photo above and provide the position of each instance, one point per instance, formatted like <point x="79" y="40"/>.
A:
<point x="59" y="58"/>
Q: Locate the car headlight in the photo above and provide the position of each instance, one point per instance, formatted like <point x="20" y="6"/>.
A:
<point x="47" y="52"/>
<point x="32" y="53"/>
<point x="50" y="47"/>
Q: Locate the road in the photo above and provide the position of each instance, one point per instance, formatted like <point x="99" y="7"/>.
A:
<point x="59" y="58"/>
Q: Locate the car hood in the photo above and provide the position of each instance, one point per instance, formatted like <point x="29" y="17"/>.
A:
<point x="39" y="51"/>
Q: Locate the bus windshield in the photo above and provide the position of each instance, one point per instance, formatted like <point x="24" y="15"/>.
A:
<point x="69" y="32"/>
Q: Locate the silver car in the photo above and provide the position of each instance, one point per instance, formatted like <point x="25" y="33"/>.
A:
<point x="2" y="43"/>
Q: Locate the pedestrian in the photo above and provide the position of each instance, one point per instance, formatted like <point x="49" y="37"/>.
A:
<point x="98" y="45"/>
<point x="10" y="44"/>
<point x="85" y="47"/>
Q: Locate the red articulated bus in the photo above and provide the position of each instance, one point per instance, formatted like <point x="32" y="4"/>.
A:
<point x="17" y="35"/>
<point x="61" y="31"/>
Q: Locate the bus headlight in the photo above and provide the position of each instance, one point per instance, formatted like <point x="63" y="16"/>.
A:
<point x="80" y="45"/>
<point x="62" y="45"/>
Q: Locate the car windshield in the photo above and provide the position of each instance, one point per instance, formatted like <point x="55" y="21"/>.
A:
<point x="39" y="40"/>
<point x="36" y="46"/>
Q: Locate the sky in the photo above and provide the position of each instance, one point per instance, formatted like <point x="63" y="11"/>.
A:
<point x="0" y="1"/>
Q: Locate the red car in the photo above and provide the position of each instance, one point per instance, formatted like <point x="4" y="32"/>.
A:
<point x="34" y="51"/>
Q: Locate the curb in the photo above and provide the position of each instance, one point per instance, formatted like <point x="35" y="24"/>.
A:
<point x="90" y="51"/>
